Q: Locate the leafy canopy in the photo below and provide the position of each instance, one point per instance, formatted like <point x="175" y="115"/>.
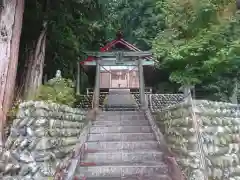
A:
<point x="201" y="39"/>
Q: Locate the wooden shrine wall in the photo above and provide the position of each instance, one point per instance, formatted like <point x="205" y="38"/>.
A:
<point x="119" y="79"/>
<point x="105" y="78"/>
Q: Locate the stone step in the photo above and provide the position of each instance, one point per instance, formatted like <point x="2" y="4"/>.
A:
<point x="121" y="171"/>
<point x="120" y="108"/>
<point x="120" y="99"/>
<point x="120" y="117"/>
<point x="156" y="177"/>
<point x="114" y="146"/>
<point x="121" y="129"/>
<point x="132" y="113"/>
<point x="121" y="157"/>
<point x="122" y="137"/>
<point x="110" y="113"/>
<point x="146" y="164"/>
<point x="121" y="123"/>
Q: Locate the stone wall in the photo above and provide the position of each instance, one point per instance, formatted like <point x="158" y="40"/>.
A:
<point x="42" y="137"/>
<point x="85" y="101"/>
<point x="155" y="101"/>
<point x="218" y="142"/>
<point x="160" y="101"/>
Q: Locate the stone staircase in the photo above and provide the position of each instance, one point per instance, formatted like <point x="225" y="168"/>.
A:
<point x="121" y="145"/>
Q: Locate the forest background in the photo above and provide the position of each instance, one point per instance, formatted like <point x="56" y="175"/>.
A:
<point x="195" y="42"/>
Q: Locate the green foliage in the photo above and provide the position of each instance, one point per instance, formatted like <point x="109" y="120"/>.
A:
<point x="197" y="42"/>
<point x="13" y="111"/>
<point x="219" y="88"/>
<point x="166" y="87"/>
<point x="200" y="40"/>
<point x="57" y="90"/>
<point x="140" y="20"/>
<point x="73" y="27"/>
<point x="191" y="39"/>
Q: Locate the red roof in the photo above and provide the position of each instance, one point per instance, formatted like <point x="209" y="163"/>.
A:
<point x="109" y="46"/>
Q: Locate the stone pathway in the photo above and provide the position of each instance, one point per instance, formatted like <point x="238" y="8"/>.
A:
<point x="121" y="145"/>
<point x="120" y="99"/>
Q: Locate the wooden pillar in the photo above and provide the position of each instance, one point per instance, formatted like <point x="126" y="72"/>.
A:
<point x="110" y="78"/>
<point x="97" y="85"/>
<point x="128" y="83"/>
<point x="81" y="75"/>
<point x="141" y="84"/>
<point x="78" y="79"/>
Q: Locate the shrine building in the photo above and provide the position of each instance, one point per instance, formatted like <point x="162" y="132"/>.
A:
<point x="119" y="75"/>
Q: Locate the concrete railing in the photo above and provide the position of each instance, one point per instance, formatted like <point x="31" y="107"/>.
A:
<point x="169" y="157"/>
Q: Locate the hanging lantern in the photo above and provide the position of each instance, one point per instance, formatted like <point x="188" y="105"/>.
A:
<point x="238" y="4"/>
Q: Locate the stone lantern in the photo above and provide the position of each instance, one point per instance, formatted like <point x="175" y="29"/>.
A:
<point x="58" y="74"/>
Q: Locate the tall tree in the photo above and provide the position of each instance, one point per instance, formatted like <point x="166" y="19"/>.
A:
<point x="35" y="57"/>
<point x="54" y="36"/>
<point x="10" y="27"/>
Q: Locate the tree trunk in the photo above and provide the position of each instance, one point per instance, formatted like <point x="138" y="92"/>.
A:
<point x="10" y="31"/>
<point x="35" y="64"/>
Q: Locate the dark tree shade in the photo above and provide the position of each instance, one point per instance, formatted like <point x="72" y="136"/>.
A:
<point x="238" y="4"/>
<point x="119" y="34"/>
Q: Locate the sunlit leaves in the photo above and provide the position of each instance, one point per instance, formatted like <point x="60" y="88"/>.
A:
<point x="198" y="41"/>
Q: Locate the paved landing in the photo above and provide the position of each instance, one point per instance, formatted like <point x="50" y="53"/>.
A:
<point x="120" y="98"/>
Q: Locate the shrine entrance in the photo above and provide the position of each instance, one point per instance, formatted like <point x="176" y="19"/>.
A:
<point x="124" y="59"/>
<point x="119" y="77"/>
<point x="122" y="68"/>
